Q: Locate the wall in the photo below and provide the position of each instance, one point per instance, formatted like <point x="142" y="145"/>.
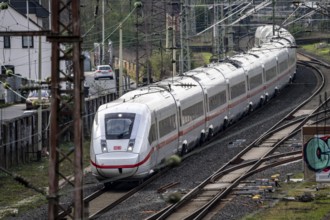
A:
<point x="19" y="137"/>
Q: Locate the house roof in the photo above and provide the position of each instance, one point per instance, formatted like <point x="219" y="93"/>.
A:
<point x="34" y="7"/>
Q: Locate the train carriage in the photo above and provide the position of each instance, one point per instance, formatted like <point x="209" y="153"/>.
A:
<point x="189" y="97"/>
<point x="136" y="134"/>
<point x="215" y="87"/>
<point x="236" y="85"/>
<point x="254" y="80"/>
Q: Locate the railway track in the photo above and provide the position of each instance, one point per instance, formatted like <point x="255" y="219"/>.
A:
<point x="212" y="192"/>
<point x="224" y="180"/>
<point x="103" y="200"/>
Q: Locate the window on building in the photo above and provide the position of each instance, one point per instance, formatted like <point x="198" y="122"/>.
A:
<point x="27" y="42"/>
<point x="6" y="41"/>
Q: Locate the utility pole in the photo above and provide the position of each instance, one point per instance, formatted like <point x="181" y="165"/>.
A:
<point x="40" y="106"/>
<point x="120" y="60"/>
<point x="187" y="27"/>
<point x="218" y="46"/>
<point x="148" y="44"/>
<point x="65" y="30"/>
<point x="274" y="17"/>
<point x="28" y="38"/>
<point x="103" y="27"/>
<point x="215" y="33"/>
<point x="174" y="14"/>
<point x="230" y="30"/>
<point x="137" y="69"/>
<point x="222" y="34"/>
<point x="173" y="47"/>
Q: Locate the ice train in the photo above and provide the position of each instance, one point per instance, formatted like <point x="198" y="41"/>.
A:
<point x="137" y="133"/>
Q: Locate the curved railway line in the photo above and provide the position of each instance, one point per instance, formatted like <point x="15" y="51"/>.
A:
<point x="202" y="199"/>
<point x="198" y="202"/>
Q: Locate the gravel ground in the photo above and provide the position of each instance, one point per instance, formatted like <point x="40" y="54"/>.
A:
<point x="198" y="167"/>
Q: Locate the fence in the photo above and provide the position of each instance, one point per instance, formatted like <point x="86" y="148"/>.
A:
<point x="19" y="136"/>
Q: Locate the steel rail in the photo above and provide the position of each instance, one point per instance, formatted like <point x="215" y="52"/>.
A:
<point x="202" y="211"/>
<point x="205" y="209"/>
<point x="125" y="196"/>
<point x="289" y="157"/>
<point x="166" y="212"/>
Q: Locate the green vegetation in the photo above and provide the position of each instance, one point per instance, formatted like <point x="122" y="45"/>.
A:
<point x="200" y="59"/>
<point x="4" y="105"/>
<point x="161" y="64"/>
<point x="319" y="207"/>
<point x="114" y="12"/>
<point x="16" y="198"/>
<point x="316" y="209"/>
<point x="319" y="49"/>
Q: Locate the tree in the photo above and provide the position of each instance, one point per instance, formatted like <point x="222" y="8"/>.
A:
<point x="161" y="66"/>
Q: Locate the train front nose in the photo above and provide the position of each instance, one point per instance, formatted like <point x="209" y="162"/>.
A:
<point x="116" y="165"/>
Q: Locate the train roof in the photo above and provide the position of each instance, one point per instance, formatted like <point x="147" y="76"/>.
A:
<point x="264" y="34"/>
<point x="207" y="76"/>
<point x="153" y="97"/>
<point x="229" y="70"/>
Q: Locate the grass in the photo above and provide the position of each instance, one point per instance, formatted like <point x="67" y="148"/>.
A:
<point x="4" y="105"/>
<point x="317" y="209"/>
<point x="16" y="198"/>
<point x="295" y="210"/>
<point x="201" y="58"/>
<point x="323" y="52"/>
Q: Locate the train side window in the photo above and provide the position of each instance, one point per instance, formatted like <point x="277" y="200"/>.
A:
<point x="167" y="125"/>
<point x="283" y="66"/>
<point x="237" y="90"/>
<point x="180" y="116"/>
<point x="217" y="100"/>
<point x="292" y="60"/>
<point x="152" y="134"/>
<point x="192" y="112"/>
<point x="255" y="81"/>
<point x="270" y="73"/>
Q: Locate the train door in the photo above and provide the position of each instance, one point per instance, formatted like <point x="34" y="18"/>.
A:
<point x="154" y="139"/>
<point x="181" y="141"/>
<point x="206" y="112"/>
<point x="227" y="113"/>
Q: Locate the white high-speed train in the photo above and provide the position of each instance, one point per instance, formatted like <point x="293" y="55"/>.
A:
<point x="137" y="133"/>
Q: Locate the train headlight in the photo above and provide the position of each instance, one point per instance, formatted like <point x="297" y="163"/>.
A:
<point x="130" y="145"/>
<point x="104" y="146"/>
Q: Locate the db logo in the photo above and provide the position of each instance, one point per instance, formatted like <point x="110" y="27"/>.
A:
<point x="116" y="147"/>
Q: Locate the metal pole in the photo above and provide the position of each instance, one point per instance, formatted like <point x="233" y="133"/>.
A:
<point x="103" y="52"/>
<point x="173" y="48"/>
<point x="58" y="39"/>
<point x="137" y="50"/>
<point x="54" y="129"/>
<point x="29" y="38"/>
<point x="273" y="17"/>
<point x="120" y="60"/>
<point x="77" y="112"/>
<point x="40" y="107"/>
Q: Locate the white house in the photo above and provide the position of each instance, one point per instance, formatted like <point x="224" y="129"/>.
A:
<point x="22" y="52"/>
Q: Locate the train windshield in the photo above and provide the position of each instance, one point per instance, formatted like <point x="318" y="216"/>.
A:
<point x="119" y="125"/>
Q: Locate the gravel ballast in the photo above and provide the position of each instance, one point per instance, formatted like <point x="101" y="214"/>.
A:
<point x="199" y="166"/>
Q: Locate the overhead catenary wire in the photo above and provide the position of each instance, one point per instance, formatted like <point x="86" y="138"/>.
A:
<point x="222" y="20"/>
